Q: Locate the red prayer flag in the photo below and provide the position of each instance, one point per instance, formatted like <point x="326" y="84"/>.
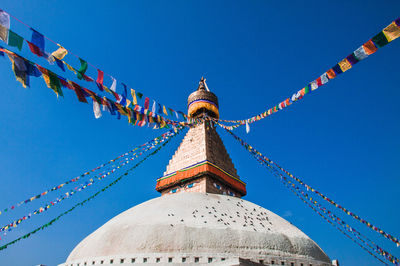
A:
<point x="78" y="92"/>
<point x="100" y="78"/>
<point x="34" y="49"/>
<point x="146" y="103"/>
<point x="319" y="82"/>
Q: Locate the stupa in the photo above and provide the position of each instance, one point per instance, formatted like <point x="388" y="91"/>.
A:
<point x="200" y="217"/>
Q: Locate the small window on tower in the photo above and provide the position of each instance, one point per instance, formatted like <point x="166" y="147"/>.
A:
<point x="133" y="260"/>
<point x="111" y="261"/>
<point x="158" y="260"/>
<point x="122" y="260"/>
<point x="169" y="260"/>
<point x="210" y="260"/>
<point x="196" y="259"/>
<point x="183" y="259"/>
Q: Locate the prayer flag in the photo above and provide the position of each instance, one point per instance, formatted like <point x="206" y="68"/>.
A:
<point x="247" y="127"/>
<point x="352" y="59"/>
<point x="87" y="78"/>
<point x="32" y="70"/>
<point x="60" y="64"/>
<point x="139" y="95"/>
<point x="70" y="67"/>
<point x="331" y="74"/>
<point x="82" y="69"/>
<point x="4" y="25"/>
<point x="146" y="103"/>
<point x="19" y="69"/>
<point x="78" y="91"/>
<point x="51" y="80"/>
<point x="128" y="102"/>
<point x="392" y="32"/>
<point x="113" y="85"/>
<point x="369" y="47"/>
<point x="100" y="78"/>
<point x="96" y="109"/>
<point x="134" y="100"/>
<point x="313" y="85"/>
<point x="38" y="41"/>
<point x="344" y="65"/>
<point x="380" y="40"/>
<point x="159" y="110"/>
<point x="360" y="53"/>
<point x="34" y="49"/>
<point x="60" y="53"/>
<point x="15" y="40"/>
<point x="324" y="78"/>
<point x="337" y="69"/>
<point x="153" y="108"/>
<point x="125" y="91"/>
<point x="165" y="110"/>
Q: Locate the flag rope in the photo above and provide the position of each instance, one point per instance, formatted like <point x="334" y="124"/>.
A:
<point x="260" y="156"/>
<point x="75" y="179"/>
<point x="81" y="203"/>
<point x="10" y="226"/>
<point x="85" y="77"/>
<point x="385" y="36"/>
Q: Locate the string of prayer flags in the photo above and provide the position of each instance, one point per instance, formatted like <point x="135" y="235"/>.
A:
<point x="37" y="47"/>
<point x="81" y="187"/>
<point x="323" y="212"/>
<point x="387" y="35"/>
<point x="81" y="203"/>
<point x="336" y="222"/>
<point x="4" y="25"/>
<point x="75" y="179"/>
<point x="309" y="188"/>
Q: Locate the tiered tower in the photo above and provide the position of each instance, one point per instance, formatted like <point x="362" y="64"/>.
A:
<point x="201" y="163"/>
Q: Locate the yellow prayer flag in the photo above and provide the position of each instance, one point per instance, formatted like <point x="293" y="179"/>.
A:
<point x="344" y="65"/>
<point x="60" y="53"/>
<point x="392" y="32"/>
<point x="128" y="102"/>
<point x="70" y="68"/>
<point x="165" y="110"/>
<point x="134" y="100"/>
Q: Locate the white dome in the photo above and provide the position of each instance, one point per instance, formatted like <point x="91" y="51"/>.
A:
<point x="197" y="227"/>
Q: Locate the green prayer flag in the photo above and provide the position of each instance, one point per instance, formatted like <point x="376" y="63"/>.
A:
<point x="82" y="69"/>
<point x="380" y="40"/>
<point x="55" y="83"/>
<point x="15" y="40"/>
<point x="139" y="95"/>
<point x="306" y="89"/>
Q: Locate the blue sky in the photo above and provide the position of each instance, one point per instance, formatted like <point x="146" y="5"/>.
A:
<point x="342" y="139"/>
